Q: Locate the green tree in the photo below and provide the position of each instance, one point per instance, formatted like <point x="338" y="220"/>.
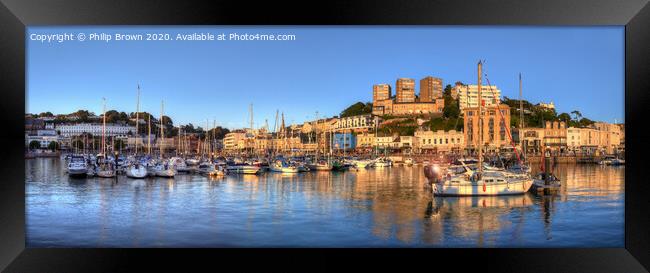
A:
<point x="83" y="115"/>
<point x="46" y="114"/>
<point x="53" y="145"/>
<point x="34" y="144"/>
<point x="219" y="132"/>
<point x="577" y="115"/>
<point x="358" y="108"/>
<point x="564" y="117"/>
<point x="447" y="91"/>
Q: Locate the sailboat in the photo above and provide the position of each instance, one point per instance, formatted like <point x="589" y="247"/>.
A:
<point x="477" y="182"/>
<point x="136" y="169"/>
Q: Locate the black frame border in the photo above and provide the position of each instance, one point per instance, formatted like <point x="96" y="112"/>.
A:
<point x="15" y="15"/>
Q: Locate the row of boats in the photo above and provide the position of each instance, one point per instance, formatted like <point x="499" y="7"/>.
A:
<point x="89" y="165"/>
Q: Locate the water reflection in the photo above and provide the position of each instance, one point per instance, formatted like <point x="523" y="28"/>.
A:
<point x="371" y="207"/>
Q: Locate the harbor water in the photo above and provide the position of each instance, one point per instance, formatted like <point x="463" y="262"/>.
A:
<point x="382" y="207"/>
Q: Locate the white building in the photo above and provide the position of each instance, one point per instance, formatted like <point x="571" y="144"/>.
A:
<point x="44" y="140"/>
<point x="387" y="142"/>
<point x="549" y="106"/>
<point x="442" y="141"/>
<point x="95" y="129"/>
<point x="363" y="122"/>
<point x="468" y="95"/>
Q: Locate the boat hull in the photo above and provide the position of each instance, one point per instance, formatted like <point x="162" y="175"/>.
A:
<point x="139" y="172"/>
<point x="481" y="189"/>
<point x="243" y="169"/>
<point x="165" y="173"/>
<point x="106" y="174"/>
<point x="77" y="173"/>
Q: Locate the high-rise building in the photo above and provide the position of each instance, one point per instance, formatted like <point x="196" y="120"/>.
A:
<point x="430" y="89"/>
<point x="468" y="95"/>
<point x="381" y="92"/>
<point x="405" y="90"/>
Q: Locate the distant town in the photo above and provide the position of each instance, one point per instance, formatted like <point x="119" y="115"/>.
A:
<point x="436" y="121"/>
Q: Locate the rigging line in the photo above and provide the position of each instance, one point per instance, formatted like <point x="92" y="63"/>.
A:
<point x="503" y="120"/>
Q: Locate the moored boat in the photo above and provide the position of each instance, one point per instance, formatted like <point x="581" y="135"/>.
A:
<point x="77" y="166"/>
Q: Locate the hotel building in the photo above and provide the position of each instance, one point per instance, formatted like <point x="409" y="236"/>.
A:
<point x="95" y="129"/>
<point x="468" y="95"/>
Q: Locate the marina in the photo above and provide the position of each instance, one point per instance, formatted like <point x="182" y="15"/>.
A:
<point x="389" y="206"/>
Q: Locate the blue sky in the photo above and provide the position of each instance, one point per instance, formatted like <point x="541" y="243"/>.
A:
<point x="325" y="69"/>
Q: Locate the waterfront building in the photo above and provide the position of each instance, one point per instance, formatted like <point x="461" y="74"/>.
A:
<point x="532" y="139"/>
<point x="440" y="141"/>
<point x="555" y="136"/>
<point x="468" y="95"/>
<point x="430" y="89"/>
<point x="405" y="90"/>
<point x="360" y="123"/>
<point x="600" y="138"/>
<point x="365" y="141"/>
<point x="407" y="143"/>
<point x="345" y="141"/>
<point x="496" y="125"/>
<point x="381" y="91"/>
<point x="43" y="140"/>
<point x="611" y="136"/>
<point x="387" y="142"/>
<point x="95" y="129"/>
<point x="235" y="140"/>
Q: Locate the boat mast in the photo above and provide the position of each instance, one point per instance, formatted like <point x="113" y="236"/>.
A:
<point x="162" y="130"/>
<point x="521" y="117"/>
<point x="149" y="135"/>
<point x="317" y="143"/>
<point x="480" y="121"/>
<point x="104" y="128"/>
<point x="137" y="121"/>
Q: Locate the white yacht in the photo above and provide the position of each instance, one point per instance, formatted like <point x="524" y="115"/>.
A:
<point x="77" y="166"/>
<point x="382" y="162"/>
<point x="471" y="183"/>
<point x="136" y="170"/>
<point x="283" y="167"/>
<point x="164" y="169"/>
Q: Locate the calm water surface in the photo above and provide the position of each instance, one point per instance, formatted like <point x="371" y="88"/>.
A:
<point x="370" y="208"/>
